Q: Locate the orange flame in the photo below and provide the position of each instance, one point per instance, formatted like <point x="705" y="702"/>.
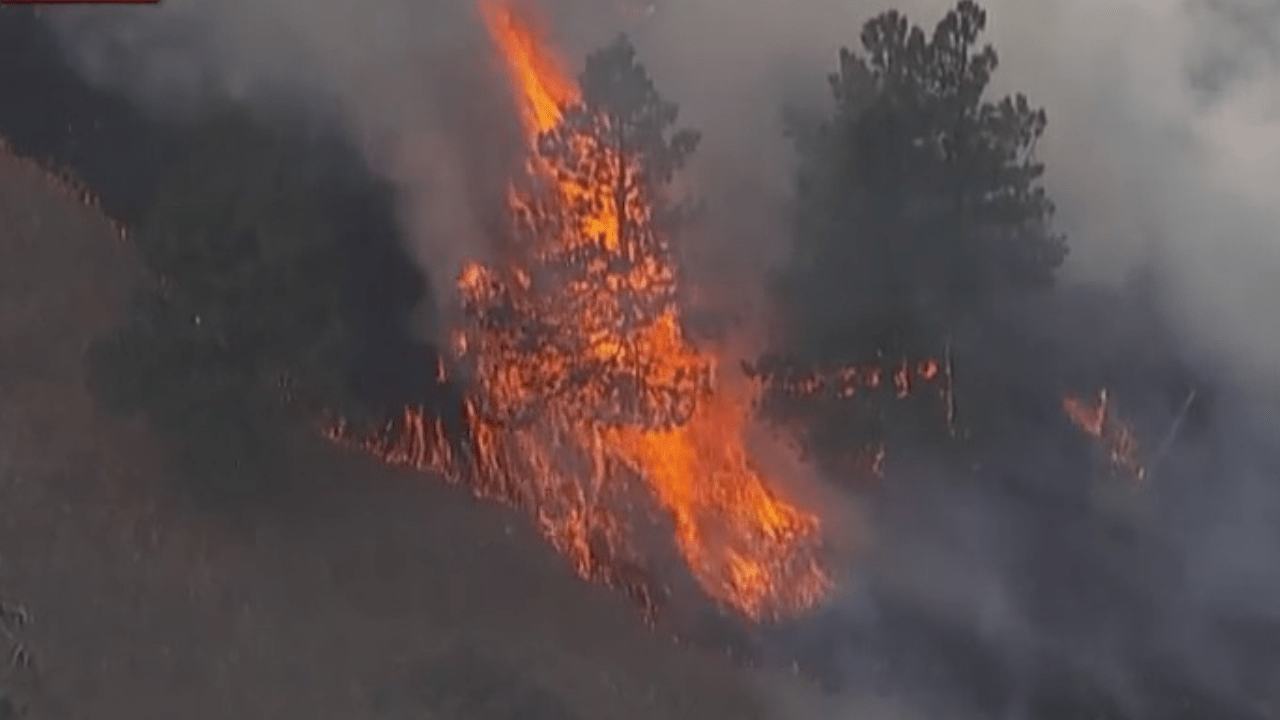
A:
<point x="843" y="385"/>
<point x="536" y="74"/>
<point x="628" y="412"/>
<point x="1090" y="417"/>
<point x="745" y="546"/>
<point x="1097" y="419"/>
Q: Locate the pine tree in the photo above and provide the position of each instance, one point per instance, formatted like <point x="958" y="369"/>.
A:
<point x="601" y="227"/>
<point x="919" y="203"/>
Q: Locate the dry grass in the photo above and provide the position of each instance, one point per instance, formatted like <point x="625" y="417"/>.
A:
<point x="372" y="594"/>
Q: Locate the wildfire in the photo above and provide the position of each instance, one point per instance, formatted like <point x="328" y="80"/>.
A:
<point x="845" y="382"/>
<point x="786" y="389"/>
<point x="588" y="405"/>
<point x="1097" y="419"/>
<point x="538" y="76"/>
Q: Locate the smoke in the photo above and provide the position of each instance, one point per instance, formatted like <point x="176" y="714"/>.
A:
<point x="409" y="81"/>
<point x="1163" y="152"/>
<point x="1165" y="116"/>
<point x="1164" y="139"/>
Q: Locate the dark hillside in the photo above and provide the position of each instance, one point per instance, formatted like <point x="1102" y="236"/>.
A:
<point x="103" y="141"/>
<point x="380" y="595"/>
<point x="371" y="594"/>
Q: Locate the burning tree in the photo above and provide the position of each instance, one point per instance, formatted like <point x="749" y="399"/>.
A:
<point x="588" y="405"/>
<point x="918" y="204"/>
<point x="595" y="292"/>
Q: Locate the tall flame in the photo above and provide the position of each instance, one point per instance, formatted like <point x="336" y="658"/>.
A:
<point x="744" y="545"/>
<point x="634" y="415"/>
<point x="537" y="75"/>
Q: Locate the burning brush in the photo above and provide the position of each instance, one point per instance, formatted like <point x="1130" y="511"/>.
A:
<point x="859" y="394"/>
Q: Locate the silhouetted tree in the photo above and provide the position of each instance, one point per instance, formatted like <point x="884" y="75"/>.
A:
<point x="918" y="202"/>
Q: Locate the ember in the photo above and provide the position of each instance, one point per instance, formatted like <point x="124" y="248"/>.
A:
<point x="872" y="384"/>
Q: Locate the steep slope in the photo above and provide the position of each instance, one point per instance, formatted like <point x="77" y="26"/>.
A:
<point x="367" y="593"/>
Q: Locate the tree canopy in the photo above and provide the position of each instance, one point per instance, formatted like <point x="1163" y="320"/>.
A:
<point x="918" y="204"/>
<point x="918" y="193"/>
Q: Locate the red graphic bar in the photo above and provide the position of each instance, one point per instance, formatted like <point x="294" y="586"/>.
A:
<point x="79" y="2"/>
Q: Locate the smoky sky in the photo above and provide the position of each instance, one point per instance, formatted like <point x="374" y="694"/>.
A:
<point x="1163" y="154"/>
<point x="1163" y="146"/>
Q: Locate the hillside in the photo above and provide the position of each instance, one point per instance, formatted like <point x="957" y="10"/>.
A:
<point x="363" y="593"/>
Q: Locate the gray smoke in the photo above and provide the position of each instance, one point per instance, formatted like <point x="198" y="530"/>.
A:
<point x="1165" y="115"/>
<point x="1164" y="140"/>
<point x="1163" y="152"/>
<point x="407" y="80"/>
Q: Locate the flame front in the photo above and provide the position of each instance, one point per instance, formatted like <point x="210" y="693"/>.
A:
<point x="594" y="410"/>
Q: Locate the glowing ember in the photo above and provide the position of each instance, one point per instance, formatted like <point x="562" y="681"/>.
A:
<point x="1097" y="419"/>
<point x="843" y="387"/>
<point x="589" y="406"/>
<point x="848" y="381"/>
